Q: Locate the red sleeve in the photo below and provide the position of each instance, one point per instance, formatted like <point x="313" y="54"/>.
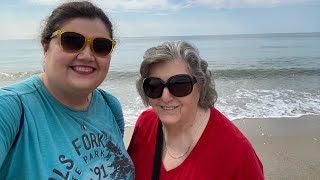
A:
<point x="243" y="157"/>
<point x="142" y="146"/>
<point x="133" y="138"/>
<point x="137" y="126"/>
<point x="251" y="167"/>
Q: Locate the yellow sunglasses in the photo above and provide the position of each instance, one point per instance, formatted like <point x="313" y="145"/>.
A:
<point x="74" y="42"/>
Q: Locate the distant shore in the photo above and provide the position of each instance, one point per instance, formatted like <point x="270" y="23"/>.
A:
<point x="289" y="148"/>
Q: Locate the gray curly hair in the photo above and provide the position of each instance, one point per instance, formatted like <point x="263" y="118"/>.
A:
<point x="169" y="51"/>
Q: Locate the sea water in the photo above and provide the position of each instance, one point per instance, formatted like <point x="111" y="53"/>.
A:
<point x="256" y="76"/>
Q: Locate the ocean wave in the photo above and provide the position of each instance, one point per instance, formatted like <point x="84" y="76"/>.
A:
<point x="246" y="103"/>
<point x="239" y="73"/>
<point x="13" y="76"/>
<point x="118" y="75"/>
<point x="217" y="74"/>
<point x="262" y="73"/>
<point x="236" y="100"/>
<point x="269" y="104"/>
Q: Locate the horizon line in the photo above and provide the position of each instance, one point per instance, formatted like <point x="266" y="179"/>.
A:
<point x="198" y="35"/>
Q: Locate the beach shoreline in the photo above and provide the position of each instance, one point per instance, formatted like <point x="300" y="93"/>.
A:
<point x="289" y="147"/>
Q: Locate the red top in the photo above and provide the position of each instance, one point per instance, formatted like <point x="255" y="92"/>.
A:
<point x="222" y="152"/>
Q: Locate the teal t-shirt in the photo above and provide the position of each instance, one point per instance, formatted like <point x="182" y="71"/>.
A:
<point x="51" y="143"/>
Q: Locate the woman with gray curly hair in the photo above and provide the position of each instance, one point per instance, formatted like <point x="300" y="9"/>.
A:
<point x="183" y="136"/>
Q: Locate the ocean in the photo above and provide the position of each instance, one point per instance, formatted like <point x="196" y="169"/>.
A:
<point x="256" y="76"/>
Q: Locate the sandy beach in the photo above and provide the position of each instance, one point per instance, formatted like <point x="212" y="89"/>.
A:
<point x="289" y="148"/>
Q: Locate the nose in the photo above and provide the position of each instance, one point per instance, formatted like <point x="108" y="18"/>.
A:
<point x="86" y="53"/>
<point x="166" y="95"/>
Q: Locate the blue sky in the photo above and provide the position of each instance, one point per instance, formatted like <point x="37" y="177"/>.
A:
<point x="136" y="18"/>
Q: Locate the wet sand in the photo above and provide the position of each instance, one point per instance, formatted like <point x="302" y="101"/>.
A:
<point x="289" y="148"/>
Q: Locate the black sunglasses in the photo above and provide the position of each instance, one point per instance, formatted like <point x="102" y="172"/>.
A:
<point x="74" y="42"/>
<point x="179" y="85"/>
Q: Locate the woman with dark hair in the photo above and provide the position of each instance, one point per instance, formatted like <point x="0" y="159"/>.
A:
<point x="183" y="136"/>
<point x="58" y="124"/>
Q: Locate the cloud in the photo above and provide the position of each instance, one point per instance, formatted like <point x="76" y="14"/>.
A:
<point x="139" y="4"/>
<point x="222" y="4"/>
<point x="46" y="2"/>
<point x="133" y="5"/>
<point x="122" y="5"/>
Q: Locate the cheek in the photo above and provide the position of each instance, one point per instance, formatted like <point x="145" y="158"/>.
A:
<point x="56" y="61"/>
<point x="196" y="92"/>
<point x="152" y="102"/>
<point x="54" y="54"/>
<point x="194" y="98"/>
<point x="107" y="65"/>
<point x="104" y="64"/>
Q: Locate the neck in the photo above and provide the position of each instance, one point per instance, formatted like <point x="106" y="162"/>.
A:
<point x="80" y="100"/>
<point x="176" y="136"/>
<point x="185" y="126"/>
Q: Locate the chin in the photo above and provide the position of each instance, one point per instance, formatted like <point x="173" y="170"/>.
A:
<point x="81" y="86"/>
<point x="167" y="119"/>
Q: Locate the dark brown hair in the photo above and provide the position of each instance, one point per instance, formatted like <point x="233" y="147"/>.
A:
<point x="71" y="10"/>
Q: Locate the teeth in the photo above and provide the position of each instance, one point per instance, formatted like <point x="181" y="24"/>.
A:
<point x="83" y="69"/>
<point x="168" y="108"/>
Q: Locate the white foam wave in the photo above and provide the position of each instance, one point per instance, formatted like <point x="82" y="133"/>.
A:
<point x="269" y="103"/>
<point x="6" y="75"/>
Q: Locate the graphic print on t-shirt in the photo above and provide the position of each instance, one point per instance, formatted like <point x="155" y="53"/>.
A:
<point x="98" y="157"/>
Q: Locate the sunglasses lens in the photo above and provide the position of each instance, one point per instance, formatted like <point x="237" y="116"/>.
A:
<point x="153" y="87"/>
<point x="102" y="46"/>
<point x="71" y="41"/>
<point x="180" y="85"/>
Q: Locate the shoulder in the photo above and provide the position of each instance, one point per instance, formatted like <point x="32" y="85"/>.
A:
<point x="26" y="86"/>
<point x="114" y="104"/>
<point x="147" y="122"/>
<point x="14" y="97"/>
<point x="221" y="121"/>
<point x="9" y="100"/>
<point x="147" y="118"/>
<point x="144" y="131"/>
<point x="108" y="97"/>
<point x="231" y="141"/>
<point x="226" y="130"/>
<point x="10" y="96"/>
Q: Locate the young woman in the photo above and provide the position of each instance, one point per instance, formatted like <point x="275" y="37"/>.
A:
<point x="58" y="125"/>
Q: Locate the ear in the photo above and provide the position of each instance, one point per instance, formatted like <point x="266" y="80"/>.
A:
<point x="43" y="65"/>
<point x="45" y="48"/>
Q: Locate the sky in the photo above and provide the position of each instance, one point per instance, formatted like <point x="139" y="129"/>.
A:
<point x="23" y="19"/>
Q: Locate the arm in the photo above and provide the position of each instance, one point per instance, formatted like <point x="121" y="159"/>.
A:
<point x="131" y="146"/>
<point x="10" y="115"/>
<point x="138" y="133"/>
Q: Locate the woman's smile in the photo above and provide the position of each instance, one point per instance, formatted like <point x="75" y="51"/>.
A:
<point x="83" y="70"/>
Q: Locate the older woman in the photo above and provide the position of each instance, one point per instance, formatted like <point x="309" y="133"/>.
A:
<point x="183" y="136"/>
<point x="58" y="125"/>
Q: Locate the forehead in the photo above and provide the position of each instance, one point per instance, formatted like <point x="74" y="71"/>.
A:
<point x="165" y="70"/>
<point x="90" y="27"/>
